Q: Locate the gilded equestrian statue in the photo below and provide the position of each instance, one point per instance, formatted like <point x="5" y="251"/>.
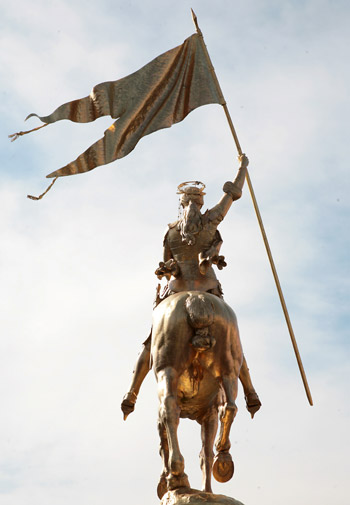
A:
<point x="194" y="346"/>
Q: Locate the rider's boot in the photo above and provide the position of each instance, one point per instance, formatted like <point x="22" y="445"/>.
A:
<point x="128" y="403"/>
<point x="253" y="402"/>
<point x="142" y="368"/>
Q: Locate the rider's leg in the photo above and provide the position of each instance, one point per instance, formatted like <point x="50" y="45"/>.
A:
<point x="143" y="364"/>
<point x="141" y="369"/>
<point x="164" y="453"/>
<point x="209" y="427"/>
<point x="252" y="400"/>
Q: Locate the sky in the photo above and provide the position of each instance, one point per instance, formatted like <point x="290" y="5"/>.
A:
<point x="77" y="268"/>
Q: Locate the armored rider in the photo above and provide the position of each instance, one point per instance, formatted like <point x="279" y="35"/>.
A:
<point x="191" y="246"/>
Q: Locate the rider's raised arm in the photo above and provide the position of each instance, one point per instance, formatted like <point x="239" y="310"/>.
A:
<point x="232" y="190"/>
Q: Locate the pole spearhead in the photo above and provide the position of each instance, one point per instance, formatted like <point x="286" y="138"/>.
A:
<point x="195" y="21"/>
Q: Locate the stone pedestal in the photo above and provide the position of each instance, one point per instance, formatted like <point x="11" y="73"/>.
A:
<point x="195" y="497"/>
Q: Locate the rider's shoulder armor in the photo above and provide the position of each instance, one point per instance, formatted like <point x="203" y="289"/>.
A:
<point x="170" y="227"/>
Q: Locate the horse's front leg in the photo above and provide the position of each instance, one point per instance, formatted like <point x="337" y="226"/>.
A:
<point x="209" y="428"/>
<point x="169" y="415"/>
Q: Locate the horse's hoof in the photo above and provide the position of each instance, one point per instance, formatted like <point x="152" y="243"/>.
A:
<point x="162" y="487"/>
<point x="177" y="481"/>
<point x="223" y="467"/>
<point x="177" y="466"/>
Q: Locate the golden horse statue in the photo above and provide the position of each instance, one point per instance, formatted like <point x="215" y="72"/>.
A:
<point x="197" y="356"/>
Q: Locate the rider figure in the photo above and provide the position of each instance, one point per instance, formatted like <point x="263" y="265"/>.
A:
<point x="191" y="246"/>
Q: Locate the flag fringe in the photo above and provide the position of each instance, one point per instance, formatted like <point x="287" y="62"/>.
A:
<point x="46" y="190"/>
<point x="15" y="136"/>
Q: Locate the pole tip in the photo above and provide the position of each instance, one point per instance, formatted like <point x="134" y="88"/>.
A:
<point x="195" y="21"/>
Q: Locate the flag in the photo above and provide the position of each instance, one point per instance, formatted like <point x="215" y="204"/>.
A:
<point x="160" y="94"/>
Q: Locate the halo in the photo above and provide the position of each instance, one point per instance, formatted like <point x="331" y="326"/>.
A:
<point x="181" y="189"/>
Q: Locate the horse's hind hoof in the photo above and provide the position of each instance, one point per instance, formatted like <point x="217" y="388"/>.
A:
<point x="223" y="467"/>
<point x="177" y="481"/>
<point x="162" y="487"/>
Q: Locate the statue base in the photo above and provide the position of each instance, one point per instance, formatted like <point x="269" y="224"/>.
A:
<point x="195" y="497"/>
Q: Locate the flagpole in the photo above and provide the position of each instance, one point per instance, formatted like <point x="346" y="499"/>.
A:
<point x="258" y="215"/>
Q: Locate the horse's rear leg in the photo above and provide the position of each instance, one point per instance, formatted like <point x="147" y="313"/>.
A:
<point x="164" y="453"/>
<point x="223" y="465"/>
<point x="228" y="412"/>
<point x="209" y="428"/>
<point x="169" y="415"/>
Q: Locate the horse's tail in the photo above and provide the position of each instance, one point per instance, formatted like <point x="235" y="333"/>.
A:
<point x="200" y="312"/>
